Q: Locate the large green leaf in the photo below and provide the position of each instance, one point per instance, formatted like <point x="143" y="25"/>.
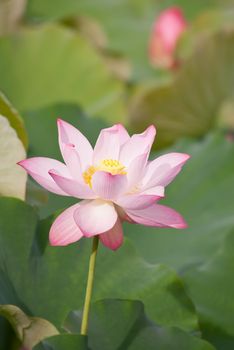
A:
<point x="64" y="342"/>
<point x="167" y="339"/>
<point x="123" y="325"/>
<point x="211" y="286"/>
<point x="54" y="64"/>
<point x="190" y="105"/>
<point x="52" y="282"/>
<point x="204" y="194"/>
<point x="14" y="228"/>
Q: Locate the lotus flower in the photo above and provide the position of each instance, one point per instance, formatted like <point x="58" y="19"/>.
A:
<point x="167" y="29"/>
<point x="115" y="181"/>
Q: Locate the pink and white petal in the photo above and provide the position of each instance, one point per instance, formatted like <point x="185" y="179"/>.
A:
<point x="136" y="145"/>
<point x="136" y="170"/>
<point x="108" y="186"/>
<point x="164" y="169"/>
<point x="109" y="142"/>
<point x="158" y="216"/>
<point x="113" y="238"/>
<point x="68" y="134"/>
<point x="72" y="159"/>
<point x="39" y="167"/>
<point x="155" y="191"/>
<point x="122" y="215"/>
<point x="71" y="186"/>
<point x="95" y="217"/>
<point x="123" y="134"/>
<point x="141" y="200"/>
<point x="64" y="230"/>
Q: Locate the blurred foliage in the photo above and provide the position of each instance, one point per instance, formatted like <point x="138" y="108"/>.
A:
<point x="121" y="28"/>
<point x="211" y="286"/>
<point x="36" y="195"/>
<point x="130" y="329"/>
<point x="88" y="63"/>
<point x="64" y="342"/>
<point x="53" y="65"/>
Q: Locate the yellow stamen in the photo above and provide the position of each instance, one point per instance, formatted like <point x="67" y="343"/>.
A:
<point x="111" y="166"/>
<point x="87" y="175"/>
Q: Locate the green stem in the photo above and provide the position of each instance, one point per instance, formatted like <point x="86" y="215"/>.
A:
<point x="92" y="260"/>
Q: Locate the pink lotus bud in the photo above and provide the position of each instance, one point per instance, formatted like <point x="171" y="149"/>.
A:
<point x="167" y="29"/>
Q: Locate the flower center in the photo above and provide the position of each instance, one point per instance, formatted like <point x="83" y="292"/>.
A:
<point x="111" y="166"/>
<point x="87" y="175"/>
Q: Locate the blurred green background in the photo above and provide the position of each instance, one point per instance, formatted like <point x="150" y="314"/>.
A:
<point x="87" y="62"/>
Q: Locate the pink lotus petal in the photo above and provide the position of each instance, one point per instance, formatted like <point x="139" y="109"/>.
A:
<point x="157" y="215"/>
<point x="113" y="238"/>
<point x="72" y="187"/>
<point x="68" y="134"/>
<point x="64" y="230"/>
<point x="123" y="134"/>
<point x="136" y="170"/>
<point x="109" y="142"/>
<point x="162" y="170"/>
<point x="72" y="160"/>
<point x="38" y="168"/>
<point x="122" y="215"/>
<point x="108" y="186"/>
<point x="137" y="145"/>
<point x="141" y="200"/>
<point x="95" y="217"/>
